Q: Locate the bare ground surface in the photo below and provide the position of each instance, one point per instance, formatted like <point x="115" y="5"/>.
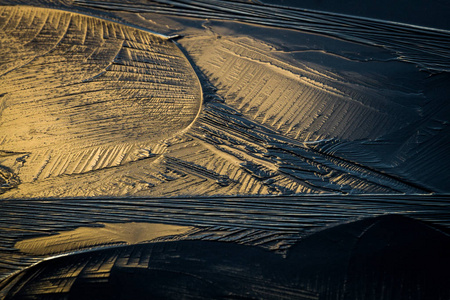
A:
<point x="133" y="129"/>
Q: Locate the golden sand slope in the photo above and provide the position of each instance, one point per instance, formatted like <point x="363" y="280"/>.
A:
<point x="266" y="117"/>
<point x="79" y="93"/>
<point x="130" y="233"/>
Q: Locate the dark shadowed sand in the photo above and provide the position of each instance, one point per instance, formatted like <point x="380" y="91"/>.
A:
<point x="376" y="258"/>
<point x="224" y="149"/>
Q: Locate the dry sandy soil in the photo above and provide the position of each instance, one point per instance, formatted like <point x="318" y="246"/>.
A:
<point x="224" y="149"/>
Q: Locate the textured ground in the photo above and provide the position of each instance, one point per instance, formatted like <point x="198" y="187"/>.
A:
<point x="82" y="94"/>
<point x="197" y="144"/>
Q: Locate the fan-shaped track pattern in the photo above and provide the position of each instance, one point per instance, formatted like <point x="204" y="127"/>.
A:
<point x="80" y="93"/>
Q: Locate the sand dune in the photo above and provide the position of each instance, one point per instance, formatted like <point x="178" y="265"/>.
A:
<point x="222" y="149"/>
<point x="274" y="122"/>
<point x="81" y="94"/>
<point x="301" y="102"/>
<point x="426" y="46"/>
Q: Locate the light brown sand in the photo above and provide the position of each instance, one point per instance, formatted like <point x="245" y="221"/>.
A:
<point x="87" y="237"/>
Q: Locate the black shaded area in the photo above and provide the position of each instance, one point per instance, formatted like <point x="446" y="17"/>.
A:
<point x="427" y="47"/>
<point x="8" y="180"/>
<point x="387" y="257"/>
<point x="433" y="13"/>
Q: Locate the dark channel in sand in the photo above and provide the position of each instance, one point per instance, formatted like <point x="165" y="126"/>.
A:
<point x="212" y="149"/>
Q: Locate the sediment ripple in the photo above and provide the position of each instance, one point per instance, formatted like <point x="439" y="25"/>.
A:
<point x="424" y="46"/>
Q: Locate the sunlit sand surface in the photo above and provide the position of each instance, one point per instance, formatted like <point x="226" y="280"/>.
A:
<point x="223" y="149"/>
<point x="104" y="234"/>
<point x="81" y="94"/>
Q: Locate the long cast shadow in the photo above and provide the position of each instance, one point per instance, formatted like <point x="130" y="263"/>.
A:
<point x="387" y="257"/>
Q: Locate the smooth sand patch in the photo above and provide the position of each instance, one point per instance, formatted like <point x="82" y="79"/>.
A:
<point x="84" y="237"/>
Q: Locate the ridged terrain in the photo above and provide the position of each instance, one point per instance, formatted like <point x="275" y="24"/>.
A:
<point x="81" y="94"/>
<point x="295" y="99"/>
<point x="375" y="258"/>
<point x="424" y="46"/>
<point x="271" y="222"/>
<point x="247" y="151"/>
